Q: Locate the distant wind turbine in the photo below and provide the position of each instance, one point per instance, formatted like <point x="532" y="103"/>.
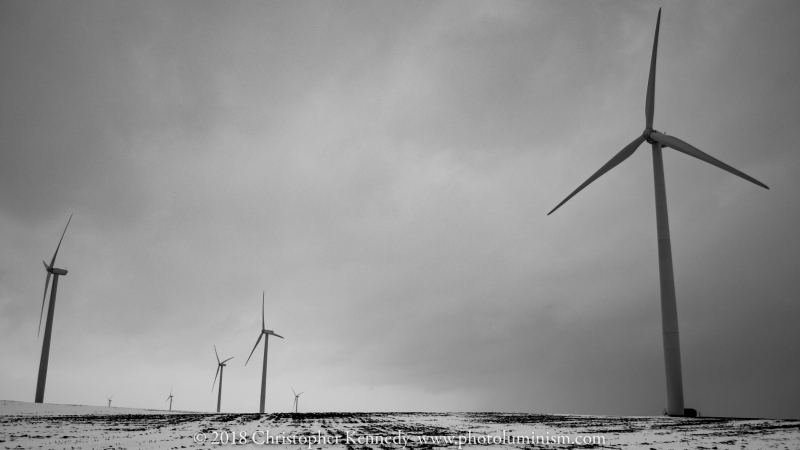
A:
<point x="296" y="397"/>
<point x="48" y="328"/>
<point x="267" y="333"/>
<point x="220" y="367"/>
<point x="109" y="401"/>
<point x="669" y="311"/>
<point x="170" y="398"/>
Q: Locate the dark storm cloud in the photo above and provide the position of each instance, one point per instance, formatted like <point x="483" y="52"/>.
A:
<point x="383" y="171"/>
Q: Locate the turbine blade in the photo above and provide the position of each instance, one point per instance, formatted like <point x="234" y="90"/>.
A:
<point x="650" y="106"/>
<point x="254" y="348"/>
<point x="278" y="335"/>
<point x="223" y="362"/>
<point x="293" y="392"/>
<point x="613" y="162"/>
<point x="44" y="296"/>
<point x="683" y="147"/>
<point x="263" y="326"/>
<point x="215" y="378"/>
<point x="59" y="242"/>
<point x="217" y="354"/>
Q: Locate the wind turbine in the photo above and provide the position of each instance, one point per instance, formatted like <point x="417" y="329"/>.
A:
<point x="296" y="397"/>
<point x="669" y="311"/>
<point x="48" y="328"/>
<point x="220" y="366"/>
<point x="109" y="401"/>
<point x="264" y="332"/>
<point x="170" y="398"/>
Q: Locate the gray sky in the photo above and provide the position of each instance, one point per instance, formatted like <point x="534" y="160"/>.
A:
<point x="383" y="171"/>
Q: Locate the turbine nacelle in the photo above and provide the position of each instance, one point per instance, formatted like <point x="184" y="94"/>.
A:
<point x="272" y="333"/>
<point x="57" y="271"/>
<point x="222" y="364"/>
<point x="53" y="270"/>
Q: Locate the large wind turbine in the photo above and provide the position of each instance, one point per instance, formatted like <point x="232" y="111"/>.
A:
<point x="296" y="397"/>
<point x="109" y="401"/>
<point x="220" y="366"/>
<point x="264" y="332"/>
<point x="170" y="398"/>
<point x="669" y="311"/>
<point x="48" y="328"/>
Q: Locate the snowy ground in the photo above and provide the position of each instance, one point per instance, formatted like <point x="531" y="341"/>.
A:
<point x="34" y="426"/>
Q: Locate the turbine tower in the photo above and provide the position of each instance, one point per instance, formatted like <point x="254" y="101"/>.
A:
<point x="264" y="332"/>
<point x="669" y="311"/>
<point x="109" y="401"/>
<point x="296" y="397"/>
<point x="48" y="328"/>
<point x="220" y="366"/>
<point x="170" y="398"/>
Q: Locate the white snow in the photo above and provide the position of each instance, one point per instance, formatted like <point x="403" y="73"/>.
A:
<point x="34" y="426"/>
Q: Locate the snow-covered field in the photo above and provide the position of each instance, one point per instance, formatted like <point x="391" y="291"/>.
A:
<point x="34" y="426"/>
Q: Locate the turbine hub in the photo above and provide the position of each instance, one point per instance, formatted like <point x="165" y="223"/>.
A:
<point x="646" y="134"/>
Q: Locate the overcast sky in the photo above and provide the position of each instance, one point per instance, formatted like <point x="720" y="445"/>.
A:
<point x="383" y="170"/>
